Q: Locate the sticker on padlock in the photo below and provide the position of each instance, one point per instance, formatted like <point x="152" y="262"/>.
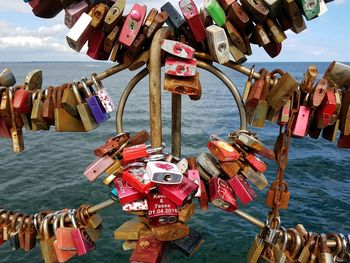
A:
<point x="138" y="179"/>
<point x="223" y="151"/>
<point x="161" y="210"/>
<point x="126" y="193"/>
<point x="177" y="49"/>
<point x="242" y="189"/>
<point x="180" y="67"/>
<point x="136" y="206"/>
<point x="180" y="193"/>
<point x="221" y="195"/>
<point x="140" y="151"/>
<point x="132" y="25"/>
<point x="103" y="95"/>
<point x="164" y="172"/>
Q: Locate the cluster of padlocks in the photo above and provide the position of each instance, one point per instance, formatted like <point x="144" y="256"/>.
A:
<point x="221" y="27"/>
<point x="321" y="107"/>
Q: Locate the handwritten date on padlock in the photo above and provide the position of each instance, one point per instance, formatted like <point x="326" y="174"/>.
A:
<point x="132" y="25"/>
<point x="223" y="151"/>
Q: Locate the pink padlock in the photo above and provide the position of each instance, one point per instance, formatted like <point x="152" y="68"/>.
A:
<point x="301" y="122"/>
<point x="81" y="238"/>
<point x="194" y="176"/>
<point x="73" y="13"/>
<point x="242" y="189"/>
<point x="97" y="167"/>
<point x="132" y="25"/>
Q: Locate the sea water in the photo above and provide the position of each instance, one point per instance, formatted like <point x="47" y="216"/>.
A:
<point x="49" y="173"/>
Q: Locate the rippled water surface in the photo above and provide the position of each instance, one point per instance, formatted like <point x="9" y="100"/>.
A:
<point x="49" y="173"/>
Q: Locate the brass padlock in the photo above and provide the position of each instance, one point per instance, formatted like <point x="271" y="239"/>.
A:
<point x="46" y="241"/>
<point x="69" y="102"/>
<point x="16" y="131"/>
<point x="37" y="111"/>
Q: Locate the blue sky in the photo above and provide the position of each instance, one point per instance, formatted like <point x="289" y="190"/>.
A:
<point x="24" y="37"/>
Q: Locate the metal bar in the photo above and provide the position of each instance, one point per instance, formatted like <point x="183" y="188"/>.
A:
<point x="107" y="73"/>
<point x="155" y="102"/>
<point x="249" y="218"/>
<point x="102" y="206"/>
<point x="176" y="124"/>
<point x="124" y="97"/>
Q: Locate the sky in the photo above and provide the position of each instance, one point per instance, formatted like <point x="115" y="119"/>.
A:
<point x="25" y="37"/>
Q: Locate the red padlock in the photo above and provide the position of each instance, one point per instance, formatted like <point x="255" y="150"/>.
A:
<point x="132" y="25"/>
<point x="161" y="210"/>
<point x="194" y="176"/>
<point x="203" y="199"/>
<point x="95" y="44"/>
<point x="139" y="151"/>
<point x="181" y="193"/>
<point x="126" y="193"/>
<point x="139" y="179"/>
<point x="242" y="189"/>
<point x="223" y="151"/>
<point x="326" y="110"/>
<point x="255" y="162"/>
<point x="191" y="14"/>
<point x="22" y="102"/>
<point x="221" y="195"/>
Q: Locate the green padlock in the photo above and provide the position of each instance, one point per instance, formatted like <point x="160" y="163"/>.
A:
<point x="215" y="11"/>
<point x="310" y="8"/>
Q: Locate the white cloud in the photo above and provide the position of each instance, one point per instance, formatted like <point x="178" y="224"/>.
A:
<point x="339" y="2"/>
<point x="15" y="6"/>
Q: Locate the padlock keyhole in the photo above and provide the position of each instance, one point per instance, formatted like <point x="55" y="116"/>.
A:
<point x="168" y="177"/>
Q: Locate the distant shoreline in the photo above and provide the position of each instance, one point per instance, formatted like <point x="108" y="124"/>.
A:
<point x="108" y="62"/>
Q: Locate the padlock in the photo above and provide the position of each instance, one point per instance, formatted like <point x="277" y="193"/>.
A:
<point x="237" y="55"/>
<point x="139" y="151"/>
<point x="215" y="11"/>
<point x="292" y="10"/>
<point x="96" y="45"/>
<point x="16" y="130"/>
<point x="231" y="169"/>
<point x="84" y="111"/>
<point x="114" y="15"/>
<point x="79" y="34"/>
<point x="116" y="167"/>
<point x="278" y="195"/>
<point x="242" y="189"/>
<point x="98" y="15"/>
<point x="279" y="252"/>
<point x="273" y="49"/>
<point x="181" y="193"/>
<point x="223" y="151"/>
<point x="191" y="14"/>
<point x="309" y="78"/>
<point x="48" y="106"/>
<point x="37" y="111"/>
<point x="255" y="162"/>
<point x="218" y="44"/>
<point x="64" y="234"/>
<point x="126" y="193"/>
<point x="132" y="25"/>
<point x="326" y="109"/>
<point x="180" y="67"/>
<point x="344" y="115"/>
<point x="225" y="4"/>
<point x="189" y="245"/>
<point x="171" y="232"/>
<point x="82" y="240"/>
<point x="285" y="87"/>
<point x="254" y="96"/>
<point x="21" y="231"/>
<point x="256" y="178"/>
<point x="161" y="210"/>
<point x="275" y="31"/>
<point x="156" y="24"/>
<point x="73" y="12"/>
<point x="260" y="36"/>
<point x="338" y="99"/>
<point x="203" y="199"/>
<point x="177" y="49"/>
<point x="186" y="212"/>
<point x="262" y="107"/>
<point x="247" y="140"/>
<point x="30" y="235"/>
<point x="235" y="37"/>
<point x="164" y="172"/>
<point x="275" y="7"/>
<point x="140" y="205"/>
<point x="301" y="122"/>
<point x="310" y="8"/>
<point x="14" y="232"/>
<point x="63" y="255"/>
<point x="148" y="249"/>
<point x="97" y="167"/>
<point x="207" y="162"/>
<point x="149" y="19"/>
<point x="257" y="9"/>
<point x="103" y="95"/>
<point x="47" y="241"/>
<point x="318" y="93"/>
<point x="324" y="254"/>
<point x="221" y="195"/>
<point x="22" y="102"/>
<point x="47" y="9"/>
<point x="284" y="114"/>
<point x="7" y="79"/>
<point x="255" y="250"/>
<point x="130" y="230"/>
<point x="110" y="40"/>
<point x="92" y="223"/>
<point x="305" y="253"/>
<point x="182" y="165"/>
<point x="175" y="20"/>
<point x="194" y="176"/>
<point x="113" y="144"/>
<point x="98" y="111"/>
<point x="179" y="85"/>
<point x="138" y="179"/>
<point x="239" y="17"/>
<point x="116" y="50"/>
